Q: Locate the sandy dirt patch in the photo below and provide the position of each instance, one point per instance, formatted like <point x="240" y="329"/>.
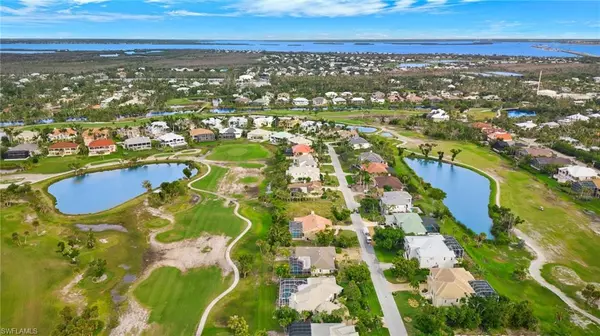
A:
<point x="73" y="296"/>
<point x="567" y="276"/>
<point x="232" y="182"/>
<point x="350" y="253"/>
<point x="133" y="321"/>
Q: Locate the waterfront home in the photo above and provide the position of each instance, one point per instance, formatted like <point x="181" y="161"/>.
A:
<point x="430" y="251"/>
<point x="321" y="329"/>
<point x="172" y="140"/>
<point x="317" y="295"/>
<point x="411" y="223"/>
<point x="280" y="137"/>
<point x="301" y="149"/>
<point x="375" y="168"/>
<point x="308" y="226"/>
<point x="102" y="147"/>
<point x="447" y="286"/>
<point x="535" y="152"/>
<point x="395" y="201"/>
<point x="63" y="148"/>
<point x="540" y="163"/>
<point x="202" y="134"/>
<point x="237" y="122"/>
<point x="92" y="134"/>
<point x="62" y="134"/>
<point x="438" y="115"/>
<point x="230" y="133"/>
<point x="587" y="188"/>
<point x="158" y="128"/>
<point x="313" y="188"/>
<point x="21" y="151"/>
<point x="26" y="136"/>
<point x="299" y="140"/>
<point x="259" y="135"/>
<point x="313" y="260"/>
<point x="138" y="143"/>
<point x="575" y="173"/>
<point x="300" y="101"/>
<point x="304" y="173"/>
<point x="370" y="157"/>
<point x="359" y="143"/>
<point x="338" y="101"/>
<point x="319" y="101"/>
<point x="388" y="182"/>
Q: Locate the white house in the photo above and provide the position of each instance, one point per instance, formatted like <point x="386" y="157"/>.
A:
<point x="172" y="140"/>
<point x="317" y="295"/>
<point x="330" y="94"/>
<point x="551" y="124"/>
<point x="305" y="160"/>
<point x="158" y="128"/>
<point x="357" y="100"/>
<point x="575" y="173"/>
<point x="304" y="173"/>
<point x="338" y="101"/>
<point x="299" y="140"/>
<point x="27" y="136"/>
<point x="300" y="101"/>
<point x="527" y="125"/>
<point x="214" y="122"/>
<point x="280" y="137"/>
<point x="261" y="121"/>
<point x="259" y="135"/>
<point x="230" y="133"/>
<point x="310" y="125"/>
<point x="237" y="122"/>
<point x="138" y="143"/>
<point x="395" y="201"/>
<point x="430" y="251"/>
<point x="438" y="115"/>
<point x="359" y="143"/>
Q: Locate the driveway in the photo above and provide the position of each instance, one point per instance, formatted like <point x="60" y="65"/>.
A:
<point x="391" y="315"/>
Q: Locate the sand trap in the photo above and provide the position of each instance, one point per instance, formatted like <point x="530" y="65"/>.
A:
<point x="567" y="276"/>
<point x="133" y="321"/>
<point x="231" y="184"/>
<point x="100" y="227"/>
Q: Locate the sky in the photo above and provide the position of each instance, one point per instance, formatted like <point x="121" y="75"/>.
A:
<point x="299" y="19"/>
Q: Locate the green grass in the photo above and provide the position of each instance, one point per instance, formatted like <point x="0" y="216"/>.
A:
<point x="249" y="180"/>
<point x="157" y="222"/>
<point x="322" y="207"/>
<point x="177" y="300"/>
<point x="480" y="114"/>
<point x="211" y="181"/>
<point x="385" y="256"/>
<point x="250" y="165"/>
<point x="350" y="179"/>
<point x="325" y="169"/>
<point x="209" y="216"/>
<point x="179" y="101"/>
<point x="239" y="152"/>
<point x="408" y="312"/>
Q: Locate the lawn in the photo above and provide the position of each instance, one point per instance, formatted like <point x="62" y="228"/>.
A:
<point x="239" y="152"/>
<point x="211" y="181"/>
<point x="255" y="296"/>
<point x="407" y="311"/>
<point x="179" y="101"/>
<point x="480" y="114"/>
<point x="249" y="180"/>
<point x="178" y="300"/>
<point x="250" y="165"/>
<point x="325" y="169"/>
<point x="209" y="216"/>
<point x="385" y="256"/>
<point x="321" y="207"/>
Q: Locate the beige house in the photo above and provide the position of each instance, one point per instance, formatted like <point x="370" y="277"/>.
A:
<point x="63" y="148"/>
<point x="313" y="260"/>
<point x="447" y="286"/>
<point x="317" y="295"/>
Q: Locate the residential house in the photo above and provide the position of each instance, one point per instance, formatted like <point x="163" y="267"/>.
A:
<point x="299" y="140"/>
<point x="346" y="94"/>
<point x="300" y="101"/>
<point x="312" y="188"/>
<point x="430" y="251"/>
<point x="26" y="136"/>
<point x="63" y="148"/>
<point x="587" y="188"/>
<point x="305" y="160"/>
<point x="540" y="163"/>
<point x="259" y="135"/>
<point x="504" y="136"/>
<point x="62" y="134"/>
<point x="411" y="223"/>
<point x="242" y="100"/>
<point x="158" y="128"/>
<point x="102" y="147"/>
<point x="388" y="182"/>
<point x="240" y="122"/>
<point x="308" y="226"/>
<point x="321" y="329"/>
<point x="304" y="173"/>
<point x="310" y="126"/>
<point x="317" y="295"/>
<point x="330" y="94"/>
<point x="128" y="132"/>
<point x="230" y="133"/>
<point x="375" y="168"/>
<point x="338" y="101"/>
<point x="202" y="135"/>
<point x="358" y="100"/>
<point x="92" y="134"/>
<point x="438" y="115"/>
<point x="313" y="260"/>
<point x="172" y="140"/>
<point x="551" y="124"/>
<point x="395" y="201"/>
<point x="575" y="173"/>
<point x="138" y="143"/>
<point x="431" y="224"/>
<point x="214" y="122"/>
<point x="280" y="137"/>
<point x="21" y="151"/>
<point x="260" y="122"/>
<point x="301" y="149"/>
<point x="359" y="143"/>
<point x="370" y="157"/>
<point x="319" y="101"/>
<point x="447" y="286"/>
<point x="535" y="152"/>
<point x="526" y="125"/>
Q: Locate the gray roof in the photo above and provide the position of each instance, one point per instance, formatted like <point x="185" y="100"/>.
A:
<point x="320" y="257"/>
<point x="371" y="157"/>
<point x="25" y="147"/>
<point x="357" y="141"/>
<point x="137" y="141"/>
<point x="396" y="198"/>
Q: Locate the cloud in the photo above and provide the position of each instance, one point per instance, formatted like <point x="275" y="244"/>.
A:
<point x="183" y="12"/>
<point x="85" y="2"/>
<point x="66" y="16"/>
<point x="310" y="8"/>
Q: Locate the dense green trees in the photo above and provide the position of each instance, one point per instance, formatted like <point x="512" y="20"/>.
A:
<point x="389" y="238"/>
<point x="503" y="221"/>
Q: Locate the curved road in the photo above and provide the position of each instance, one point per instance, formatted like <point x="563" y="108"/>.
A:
<point x="236" y="272"/>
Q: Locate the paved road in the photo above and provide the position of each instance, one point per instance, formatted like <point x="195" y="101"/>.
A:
<point x="391" y="316"/>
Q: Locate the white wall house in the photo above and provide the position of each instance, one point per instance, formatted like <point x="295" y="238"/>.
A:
<point x="526" y="125"/>
<point x="158" y="128"/>
<point x="260" y="122"/>
<point x="172" y="140"/>
<point x="430" y="251"/>
<point x="394" y="202"/>
<point x="300" y="101"/>
<point x="438" y="115"/>
<point x="359" y="143"/>
<point x="237" y="122"/>
<point x="259" y="135"/>
<point x="303" y="173"/>
<point x="575" y="173"/>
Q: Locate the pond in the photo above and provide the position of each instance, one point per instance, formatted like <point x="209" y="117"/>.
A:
<point x="520" y="113"/>
<point x="362" y="129"/>
<point x="467" y="192"/>
<point x="95" y="192"/>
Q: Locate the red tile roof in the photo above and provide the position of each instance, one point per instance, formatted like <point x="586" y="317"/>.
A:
<point x="63" y="144"/>
<point x="101" y="143"/>
<point x="375" y="168"/>
<point x="301" y="149"/>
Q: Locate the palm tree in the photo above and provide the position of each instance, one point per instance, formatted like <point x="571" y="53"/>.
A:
<point x="455" y="152"/>
<point x="440" y="155"/>
<point x="26" y="234"/>
<point x="36" y="225"/>
<point x="147" y="185"/>
<point x="16" y="239"/>
<point x="481" y="238"/>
